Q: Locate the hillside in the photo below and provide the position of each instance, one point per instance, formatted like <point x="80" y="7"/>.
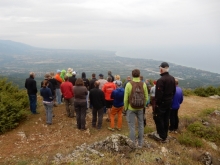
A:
<point x="17" y="60"/>
<point x="34" y="142"/>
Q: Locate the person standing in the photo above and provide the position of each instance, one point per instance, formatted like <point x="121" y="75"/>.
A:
<point x="177" y="100"/>
<point x="67" y="92"/>
<point x="128" y="80"/>
<point x="152" y="95"/>
<point x="46" y="93"/>
<point x="110" y="75"/>
<point x="80" y="92"/>
<point x="107" y="89"/>
<point x="86" y="84"/>
<point x="59" y="82"/>
<point x="92" y="85"/>
<point x="73" y="78"/>
<point x="53" y="81"/>
<point x="97" y="99"/>
<point x="135" y="98"/>
<point x="118" y="106"/>
<point x="31" y="86"/>
<point x="165" y="90"/>
<point x="102" y="81"/>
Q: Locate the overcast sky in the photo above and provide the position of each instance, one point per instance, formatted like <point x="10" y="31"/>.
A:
<point x="119" y="25"/>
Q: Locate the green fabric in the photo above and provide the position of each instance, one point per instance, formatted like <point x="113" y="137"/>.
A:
<point x="62" y="74"/>
<point x="128" y="89"/>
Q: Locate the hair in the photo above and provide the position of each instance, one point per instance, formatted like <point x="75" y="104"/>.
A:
<point x="51" y="74"/>
<point x="117" y="77"/>
<point x="128" y="78"/>
<point x="136" y="73"/>
<point x="79" y="82"/>
<point x="45" y="83"/>
<point x="66" y="78"/>
<point x="141" y="78"/>
<point x="97" y="83"/>
<point x="109" y="79"/>
<point x="109" y="72"/>
<point x="93" y="75"/>
<point x="164" y="69"/>
<point x="176" y="81"/>
<point x="83" y="75"/>
<point x="32" y="74"/>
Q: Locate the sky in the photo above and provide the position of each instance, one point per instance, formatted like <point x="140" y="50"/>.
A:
<point x="186" y="32"/>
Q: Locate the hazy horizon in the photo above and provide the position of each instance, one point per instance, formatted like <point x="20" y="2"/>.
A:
<point x="184" y="32"/>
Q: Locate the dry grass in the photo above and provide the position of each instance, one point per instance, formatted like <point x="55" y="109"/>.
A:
<point x="42" y="142"/>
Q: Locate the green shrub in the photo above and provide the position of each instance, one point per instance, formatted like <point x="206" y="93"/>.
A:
<point x="211" y="133"/>
<point x="190" y="140"/>
<point x="201" y="92"/>
<point x="188" y="92"/>
<point x="13" y="103"/>
<point x="205" y="92"/>
<point x="148" y="130"/>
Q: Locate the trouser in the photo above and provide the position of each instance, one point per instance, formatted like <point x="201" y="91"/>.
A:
<point x="49" y="112"/>
<point x="153" y="103"/>
<point x="69" y="103"/>
<point x="116" y="111"/>
<point x="80" y="108"/>
<point x="96" y="112"/>
<point x="130" y="115"/>
<point x="174" y="120"/>
<point x="33" y="103"/>
<point x="161" y="118"/>
<point x="58" y="95"/>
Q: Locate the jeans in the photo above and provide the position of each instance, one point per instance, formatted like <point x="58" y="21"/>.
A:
<point x="100" y="112"/>
<point x="58" y="95"/>
<point x="130" y="115"/>
<point x="69" y="103"/>
<point x="80" y="108"/>
<point x="33" y="103"/>
<point x="87" y="100"/>
<point x="174" y="120"/>
<point x="49" y="112"/>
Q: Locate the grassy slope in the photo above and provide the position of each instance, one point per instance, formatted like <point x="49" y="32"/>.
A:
<point x="42" y="142"/>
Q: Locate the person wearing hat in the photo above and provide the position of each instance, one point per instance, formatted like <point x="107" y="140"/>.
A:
<point x="165" y="90"/>
<point x="58" y="92"/>
<point x="117" y="107"/>
<point x="31" y="86"/>
<point x="69" y="72"/>
<point x="73" y="78"/>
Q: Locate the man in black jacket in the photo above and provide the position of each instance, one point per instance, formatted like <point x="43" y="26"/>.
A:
<point x="31" y="86"/>
<point x="165" y="90"/>
<point x="97" y="99"/>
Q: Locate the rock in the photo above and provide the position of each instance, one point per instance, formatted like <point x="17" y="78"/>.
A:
<point x="214" y="97"/>
<point x="216" y="113"/>
<point x="213" y="145"/>
<point x="206" y="158"/>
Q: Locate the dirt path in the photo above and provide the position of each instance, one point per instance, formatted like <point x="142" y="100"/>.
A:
<point x="34" y="139"/>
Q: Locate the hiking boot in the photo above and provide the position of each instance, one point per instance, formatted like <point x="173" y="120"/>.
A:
<point x="111" y="129"/>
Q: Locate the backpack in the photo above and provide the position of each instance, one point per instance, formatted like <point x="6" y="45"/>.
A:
<point x="137" y="98"/>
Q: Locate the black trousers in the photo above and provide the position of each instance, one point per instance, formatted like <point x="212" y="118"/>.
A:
<point x="174" y="120"/>
<point x="80" y="108"/>
<point x="161" y="117"/>
<point x="97" y="112"/>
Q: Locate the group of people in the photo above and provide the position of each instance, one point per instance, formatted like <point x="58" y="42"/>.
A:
<point x="113" y="97"/>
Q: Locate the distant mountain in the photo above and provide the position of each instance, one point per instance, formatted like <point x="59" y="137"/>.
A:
<point x="17" y="60"/>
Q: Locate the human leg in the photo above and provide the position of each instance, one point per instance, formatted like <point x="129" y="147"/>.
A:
<point x="58" y="95"/>
<point x="78" y="114"/>
<point x="113" y="112"/>
<point x="67" y="102"/>
<point x="119" y="112"/>
<point x="83" y="107"/>
<point x="100" y="117"/>
<point x="140" y="127"/>
<point x="71" y="107"/>
<point x="172" y="120"/>
<point x="130" y="116"/>
<point x="94" y="116"/>
<point x="33" y="103"/>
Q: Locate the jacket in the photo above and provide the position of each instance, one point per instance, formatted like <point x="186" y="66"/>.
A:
<point x="97" y="98"/>
<point x="31" y="86"/>
<point x="107" y="89"/>
<point x="46" y="94"/>
<point x="128" y="90"/>
<point x="118" y="96"/>
<point x="177" y="99"/>
<point x="165" y="89"/>
<point x="67" y="89"/>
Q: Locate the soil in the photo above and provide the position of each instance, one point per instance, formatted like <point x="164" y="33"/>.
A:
<point x="33" y="139"/>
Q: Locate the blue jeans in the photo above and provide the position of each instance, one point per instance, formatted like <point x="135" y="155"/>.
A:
<point x="130" y="115"/>
<point x="49" y="112"/>
<point x="58" y="95"/>
<point x="33" y="103"/>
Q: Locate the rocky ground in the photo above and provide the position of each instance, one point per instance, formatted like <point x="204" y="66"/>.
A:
<point x="34" y="142"/>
